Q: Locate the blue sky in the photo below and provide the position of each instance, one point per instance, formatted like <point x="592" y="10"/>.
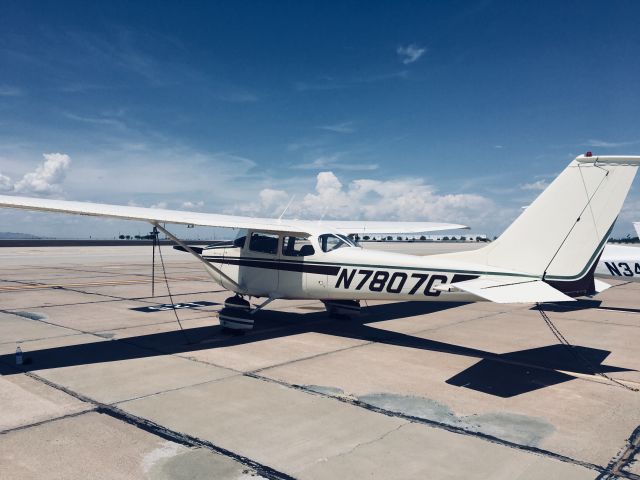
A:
<point x="450" y="111"/>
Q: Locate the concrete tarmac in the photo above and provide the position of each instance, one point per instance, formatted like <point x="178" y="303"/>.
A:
<point x="112" y="387"/>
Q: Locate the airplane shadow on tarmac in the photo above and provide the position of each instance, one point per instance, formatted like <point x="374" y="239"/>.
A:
<point x="502" y="375"/>
<point x="584" y="304"/>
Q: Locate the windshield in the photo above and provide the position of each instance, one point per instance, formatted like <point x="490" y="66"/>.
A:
<point x="241" y="237"/>
<point x="329" y="242"/>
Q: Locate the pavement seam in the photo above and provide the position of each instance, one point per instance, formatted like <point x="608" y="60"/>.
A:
<point x="48" y="420"/>
<point x="443" y="426"/>
<point x="99" y="332"/>
<point x="41" y="320"/>
<point x="623" y="459"/>
<point x="164" y="432"/>
<point x="112" y="298"/>
<point x="148" y="395"/>
<point x="599" y="322"/>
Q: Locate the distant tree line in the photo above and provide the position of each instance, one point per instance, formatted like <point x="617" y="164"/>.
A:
<point x="627" y="239"/>
<point x="422" y="238"/>
<point x="136" y="237"/>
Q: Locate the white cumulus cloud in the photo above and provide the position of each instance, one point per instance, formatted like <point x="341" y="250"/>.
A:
<point x="5" y="183"/>
<point x="410" y="53"/>
<point x="403" y="199"/>
<point x="48" y="177"/>
<point x="271" y="199"/>
<point x="193" y="205"/>
<point x="537" y="185"/>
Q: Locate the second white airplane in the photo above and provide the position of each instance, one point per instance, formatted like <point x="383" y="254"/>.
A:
<point x="548" y="254"/>
<point x="621" y="261"/>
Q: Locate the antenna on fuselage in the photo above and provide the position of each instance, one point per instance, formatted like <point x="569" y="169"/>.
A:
<point x="287" y="207"/>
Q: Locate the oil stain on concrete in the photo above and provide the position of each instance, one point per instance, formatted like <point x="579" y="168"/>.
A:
<point x="30" y="315"/>
<point x="176" y="462"/>
<point x="511" y="427"/>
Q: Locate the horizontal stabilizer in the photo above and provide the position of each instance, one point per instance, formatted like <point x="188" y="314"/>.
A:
<point x="506" y="290"/>
<point x="600" y="286"/>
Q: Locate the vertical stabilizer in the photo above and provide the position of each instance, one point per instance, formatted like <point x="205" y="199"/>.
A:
<point x="560" y="236"/>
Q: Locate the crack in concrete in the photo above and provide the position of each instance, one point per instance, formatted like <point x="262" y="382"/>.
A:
<point x="363" y="444"/>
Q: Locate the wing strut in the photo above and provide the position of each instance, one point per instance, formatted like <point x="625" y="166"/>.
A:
<point x="199" y="257"/>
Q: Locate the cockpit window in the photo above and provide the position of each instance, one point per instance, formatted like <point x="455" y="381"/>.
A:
<point x="329" y="242"/>
<point x="297" y="247"/>
<point x="264" y="243"/>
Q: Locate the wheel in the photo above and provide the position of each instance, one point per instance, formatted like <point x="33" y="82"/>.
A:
<point x="235" y="319"/>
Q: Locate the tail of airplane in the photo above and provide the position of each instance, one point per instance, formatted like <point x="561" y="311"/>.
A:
<point x="636" y="225"/>
<point x="561" y="235"/>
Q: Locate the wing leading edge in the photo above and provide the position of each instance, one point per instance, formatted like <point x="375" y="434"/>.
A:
<point x="156" y="215"/>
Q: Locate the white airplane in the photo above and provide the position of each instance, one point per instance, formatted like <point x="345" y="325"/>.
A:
<point x="620" y="261"/>
<point x="548" y="254"/>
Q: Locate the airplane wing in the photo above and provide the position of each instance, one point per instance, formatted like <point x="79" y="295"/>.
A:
<point x="510" y="290"/>
<point x="156" y="215"/>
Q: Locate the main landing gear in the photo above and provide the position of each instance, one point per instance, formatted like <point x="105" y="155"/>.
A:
<point x="342" y="309"/>
<point x="237" y="314"/>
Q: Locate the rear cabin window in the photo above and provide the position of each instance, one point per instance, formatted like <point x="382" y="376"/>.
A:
<point x="264" y="243"/>
<point x="297" y="247"/>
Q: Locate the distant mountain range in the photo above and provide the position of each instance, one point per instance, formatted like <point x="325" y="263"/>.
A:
<point x="17" y="236"/>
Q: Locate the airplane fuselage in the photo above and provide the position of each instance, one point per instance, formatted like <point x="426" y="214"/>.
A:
<point x="350" y="273"/>
<point x="620" y="262"/>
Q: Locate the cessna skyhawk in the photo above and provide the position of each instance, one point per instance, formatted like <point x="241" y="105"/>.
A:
<point x="548" y="254"/>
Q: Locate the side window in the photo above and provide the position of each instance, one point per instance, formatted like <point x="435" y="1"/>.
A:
<point x="297" y="247"/>
<point x="264" y="243"/>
